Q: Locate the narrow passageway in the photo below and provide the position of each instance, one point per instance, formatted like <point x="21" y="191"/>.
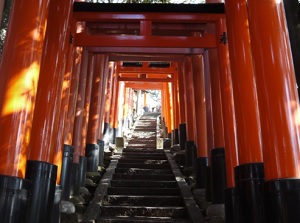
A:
<point x="143" y="184"/>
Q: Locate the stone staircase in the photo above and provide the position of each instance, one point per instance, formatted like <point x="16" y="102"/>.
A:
<point x="143" y="184"/>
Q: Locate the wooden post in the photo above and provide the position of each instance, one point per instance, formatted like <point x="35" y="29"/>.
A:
<point x="19" y="74"/>
<point x="249" y="173"/>
<point x="279" y="108"/>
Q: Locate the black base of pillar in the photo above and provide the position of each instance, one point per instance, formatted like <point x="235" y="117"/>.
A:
<point x="114" y="135"/>
<point x="218" y="175"/>
<point x="76" y="180"/>
<point x="201" y="165"/>
<point x="282" y="201"/>
<point x="176" y="136"/>
<point x="106" y="131"/>
<point x="55" y="215"/>
<point x="249" y="180"/>
<point x="169" y="135"/>
<point x="82" y="170"/>
<point x="92" y="155"/>
<point x="14" y="199"/>
<point x="66" y="172"/>
<point x="101" y="152"/>
<point x="182" y="136"/>
<point x="189" y="153"/>
<point x="208" y="183"/>
<point x="231" y="206"/>
<point x="43" y="177"/>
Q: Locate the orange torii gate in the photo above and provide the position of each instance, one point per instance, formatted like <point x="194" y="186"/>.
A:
<point x="147" y="75"/>
<point x="257" y="96"/>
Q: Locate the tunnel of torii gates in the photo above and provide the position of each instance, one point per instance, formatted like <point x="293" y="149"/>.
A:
<point x="70" y="71"/>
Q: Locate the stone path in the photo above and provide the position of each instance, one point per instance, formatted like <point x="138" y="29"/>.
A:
<point x="143" y="184"/>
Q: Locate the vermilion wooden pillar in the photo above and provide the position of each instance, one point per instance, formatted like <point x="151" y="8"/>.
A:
<point x="96" y="99"/>
<point x="47" y="109"/>
<point x="200" y="107"/>
<point x="116" y="107"/>
<point x="181" y="104"/>
<point x="104" y="95"/>
<point x="113" y="106"/>
<point x="76" y="140"/>
<point x="87" y="104"/>
<point x="215" y="124"/>
<point x="228" y="114"/>
<point x="108" y="104"/>
<point x="64" y="106"/>
<point x="119" y="108"/>
<point x="175" y="96"/>
<point x="95" y="113"/>
<point x="124" y="113"/>
<point x="200" y="122"/>
<point x="189" y="109"/>
<point x="63" y="150"/>
<point x="129" y="107"/>
<point x="67" y="160"/>
<point x="19" y="77"/>
<point x="249" y="175"/>
<point x="81" y="122"/>
<point x="19" y="74"/>
<point x="279" y="109"/>
<point x="189" y="98"/>
<point x="182" y="116"/>
<point x="70" y="117"/>
<point x="163" y="110"/>
<point x="218" y="129"/>
<point x="171" y="109"/>
<point x="214" y="112"/>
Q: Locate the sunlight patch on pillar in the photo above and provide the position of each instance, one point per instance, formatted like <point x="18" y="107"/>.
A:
<point x="21" y="91"/>
<point x="20" y="164"/>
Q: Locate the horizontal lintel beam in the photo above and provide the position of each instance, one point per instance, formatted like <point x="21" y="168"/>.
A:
<point x="154" y="17"/>
<point x="207" y="41"/>
<point x="152" y="70"/>
<point x="135" y="57"/>
<point x="130" y="79"/>
<point x="145" y="50"/>
<point x="144" y="86"/>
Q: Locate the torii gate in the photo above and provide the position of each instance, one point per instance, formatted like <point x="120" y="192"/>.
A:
<point x="31" y="114"/>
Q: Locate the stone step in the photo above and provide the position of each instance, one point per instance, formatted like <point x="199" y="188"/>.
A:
<point x="144" y="153"/>
<point x="142" y="143"/>
<point x="145" y="161"/>
<point x="152" y="201"/>
<point x="144" y="130"/>
<point x="133" y="211"/>
<point x="144" y="156"/>
<point x="143" y="166"/>
<point x="151" y="139"/>
<point x="144" y="184"/>
<point x="140" y="220"/>
<point x="142" y="191"/>
<point x="128" y="149"/>
<point x="125" y="176"/>
<point x="143" y="146"/>
<point x="133" y="171"/>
